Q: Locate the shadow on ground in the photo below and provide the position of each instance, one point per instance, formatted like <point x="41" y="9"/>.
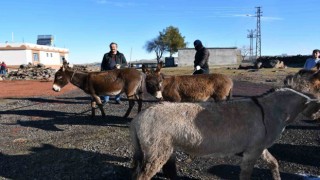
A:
<point x="49" y="162"/>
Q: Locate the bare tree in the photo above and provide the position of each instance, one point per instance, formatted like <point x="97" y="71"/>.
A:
<point x="157" y="45"/>
<point x="245" y="50"/>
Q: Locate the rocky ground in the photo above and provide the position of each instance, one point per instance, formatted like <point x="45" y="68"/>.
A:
<point x="54" y="137"/>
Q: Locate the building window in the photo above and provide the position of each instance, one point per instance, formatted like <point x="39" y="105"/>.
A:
<point x="36" y="57"/>
<point x="51" y="54"/>
<point x="47" y="54"/>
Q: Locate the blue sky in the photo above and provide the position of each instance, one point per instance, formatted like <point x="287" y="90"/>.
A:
<point x="86" y="27"/>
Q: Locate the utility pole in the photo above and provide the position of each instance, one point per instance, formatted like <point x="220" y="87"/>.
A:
<point x="258" y="35"/>
<point x="251" y="36"/>
<point x="12" y="37"/>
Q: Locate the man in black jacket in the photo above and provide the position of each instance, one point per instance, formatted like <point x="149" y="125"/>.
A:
<point x="113" y="60"/>
<point x="201" y="58"/>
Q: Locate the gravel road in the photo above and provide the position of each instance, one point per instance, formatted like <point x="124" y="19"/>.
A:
<point x="50" y="137"/>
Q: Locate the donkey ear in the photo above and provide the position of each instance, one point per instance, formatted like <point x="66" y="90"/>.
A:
<point x="159" y="66"/>
<point x="65" y="63"/>
<point x="145" y="69"/>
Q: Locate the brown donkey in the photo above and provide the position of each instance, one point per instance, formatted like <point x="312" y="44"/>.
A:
<point x="129" y="81"/>
<point x="244" y="126"/>
<point x="188" y="88"/>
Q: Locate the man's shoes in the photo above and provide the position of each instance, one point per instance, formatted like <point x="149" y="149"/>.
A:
<point x="118" y="102"/>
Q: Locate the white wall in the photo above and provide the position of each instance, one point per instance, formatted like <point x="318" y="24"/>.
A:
<point x="14" y="57"/>
<point x="22" y="53"/>
<point x="53" y="58"/>
<point x="218" y="56"/>
<point x="29" y="57"/>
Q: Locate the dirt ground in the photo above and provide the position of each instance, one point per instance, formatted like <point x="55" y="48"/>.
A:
<point x="50" y="135"/>
<point x="30" y="88"/>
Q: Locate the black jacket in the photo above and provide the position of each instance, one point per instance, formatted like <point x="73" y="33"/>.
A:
<point x="108" y="64"/>
<point x="201" y="58"/>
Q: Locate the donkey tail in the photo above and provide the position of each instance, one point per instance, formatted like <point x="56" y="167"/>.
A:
<point x="137" y="154"/>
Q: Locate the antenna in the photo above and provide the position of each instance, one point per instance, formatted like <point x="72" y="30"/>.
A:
<point x="130" y="54"/>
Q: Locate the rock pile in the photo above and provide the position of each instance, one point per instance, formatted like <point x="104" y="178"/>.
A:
<point x="40" y="72"/>
<point x="31" y="72"/>
<point x="86" y="68"/>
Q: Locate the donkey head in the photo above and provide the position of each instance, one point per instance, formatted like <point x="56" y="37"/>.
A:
<point x="60" y="78"/>
<point x="312" y="109"/>
<point x="315" y="81"/>
<point x="295" y="102"/>
<point x="154" y="80"/>
<point x="307" y="81"/>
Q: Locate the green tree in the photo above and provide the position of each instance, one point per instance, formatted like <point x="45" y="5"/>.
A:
<point x="157" y="45"/>
<point x="173" y="40"/>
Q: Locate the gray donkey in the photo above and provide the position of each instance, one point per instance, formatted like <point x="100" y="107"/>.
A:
<point x="244" y="126"/>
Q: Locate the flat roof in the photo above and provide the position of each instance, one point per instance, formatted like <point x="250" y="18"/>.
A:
<point x="30" y="46"/>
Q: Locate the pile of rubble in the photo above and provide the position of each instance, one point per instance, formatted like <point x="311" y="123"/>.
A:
<point x="40" y="72"/>
<point x="30" y="72"/>
<point x="87" y="67"/>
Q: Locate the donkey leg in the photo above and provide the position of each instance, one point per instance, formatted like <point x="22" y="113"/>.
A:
<point x="98" y="101"/>
<point x="248" y="161"/>
<point x="175" y="97"/>
<point x="137" y="162"/>
<point x="102" y="110"/>
<point x="154" y="158"/>
<point x="93" y="109"/>
<point x="170" y="168"/>
<point x="131" y="104"/>
<point x="272" y="163"/>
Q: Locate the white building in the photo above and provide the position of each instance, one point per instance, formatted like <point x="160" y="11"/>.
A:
<point x="24" y="53"/>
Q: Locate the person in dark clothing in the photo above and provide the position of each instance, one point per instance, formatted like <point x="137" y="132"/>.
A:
<point x="113" y="60"/>
<point x="201" y="58"/>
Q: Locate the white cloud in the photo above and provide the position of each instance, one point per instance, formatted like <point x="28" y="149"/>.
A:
<point x="113" y="3"/>
<point x="272" y="18"/>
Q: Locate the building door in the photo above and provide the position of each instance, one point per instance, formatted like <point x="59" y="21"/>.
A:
<point x="35" y="58"/>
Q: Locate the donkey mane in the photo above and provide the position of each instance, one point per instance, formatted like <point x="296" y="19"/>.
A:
<point x="283" y="89"/>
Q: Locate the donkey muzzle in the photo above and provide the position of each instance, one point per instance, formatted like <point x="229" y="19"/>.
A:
<point x="158" y="95"/>
<point x="56" y="88"/>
